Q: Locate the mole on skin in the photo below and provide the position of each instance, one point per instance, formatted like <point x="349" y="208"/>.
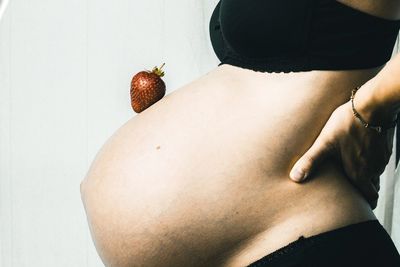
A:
<point x="158" y="147"/>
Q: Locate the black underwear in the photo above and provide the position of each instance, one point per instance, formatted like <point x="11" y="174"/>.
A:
<point x="301" y="35"/>
<point x="364" y="244"/>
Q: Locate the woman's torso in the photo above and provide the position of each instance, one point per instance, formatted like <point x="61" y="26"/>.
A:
<point x="205" y="170"/>
<point x="201" y="177"/>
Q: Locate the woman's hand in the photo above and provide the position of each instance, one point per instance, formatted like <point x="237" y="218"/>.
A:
<point x="364" y="153"/>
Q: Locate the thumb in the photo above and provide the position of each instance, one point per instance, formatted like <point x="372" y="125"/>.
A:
<point x="314" y="155"/>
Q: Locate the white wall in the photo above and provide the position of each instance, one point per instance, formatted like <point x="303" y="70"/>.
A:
<point x="65" y="70"/>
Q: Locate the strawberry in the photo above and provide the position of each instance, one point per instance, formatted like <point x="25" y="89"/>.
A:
<point x="147" y="88"/>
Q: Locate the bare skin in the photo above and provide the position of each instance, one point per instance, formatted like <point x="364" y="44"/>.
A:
<point x="201" y="177"/>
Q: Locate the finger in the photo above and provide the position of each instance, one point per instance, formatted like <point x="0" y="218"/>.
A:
<point x="366" y="184"/>
<point x="376" y="182"/>
<point x="369" y="191"/>
<point x="320" y="149"/>
<point x="371" y="172"/>
<point x="374" y="204"/>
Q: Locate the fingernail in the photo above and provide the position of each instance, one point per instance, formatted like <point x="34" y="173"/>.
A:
<point x="297" y="175"/>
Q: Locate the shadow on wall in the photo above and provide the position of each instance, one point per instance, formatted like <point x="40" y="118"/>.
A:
<point x="3" y="5"/>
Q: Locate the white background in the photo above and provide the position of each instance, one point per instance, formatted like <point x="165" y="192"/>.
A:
<point x="65" y="71"/>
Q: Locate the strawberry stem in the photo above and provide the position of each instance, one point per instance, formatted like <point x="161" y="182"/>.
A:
<point x="158" y="71"/>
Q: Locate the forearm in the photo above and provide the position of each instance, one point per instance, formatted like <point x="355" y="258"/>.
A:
<point x="378" y="100"/>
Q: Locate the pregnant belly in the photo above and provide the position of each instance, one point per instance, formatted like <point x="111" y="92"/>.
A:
<point x="201" y="177"/>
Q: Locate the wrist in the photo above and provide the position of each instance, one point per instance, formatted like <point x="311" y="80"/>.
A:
<point x="372" y="107"/>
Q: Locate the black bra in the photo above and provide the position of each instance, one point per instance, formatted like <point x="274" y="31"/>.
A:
<point x="299" y="35"/>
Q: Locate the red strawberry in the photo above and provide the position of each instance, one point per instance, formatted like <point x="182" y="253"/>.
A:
<point x="147" y="88"/>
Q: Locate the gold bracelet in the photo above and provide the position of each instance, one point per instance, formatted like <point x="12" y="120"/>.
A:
<point x="379" y="129"/>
